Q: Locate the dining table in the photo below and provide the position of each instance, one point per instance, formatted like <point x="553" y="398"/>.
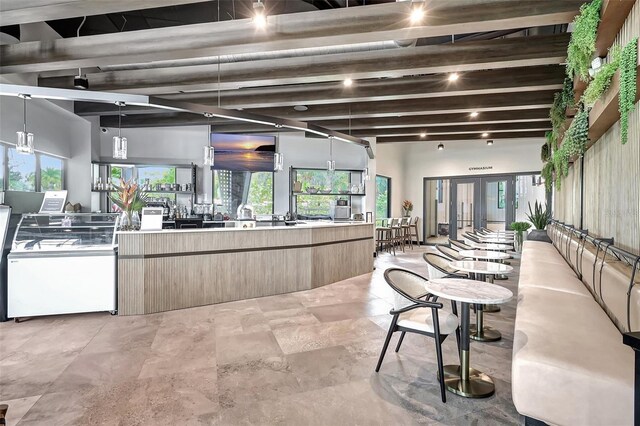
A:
<point x="482" y="271"/>
<point x="484" y="254"/>
<point x="462" y="379"/>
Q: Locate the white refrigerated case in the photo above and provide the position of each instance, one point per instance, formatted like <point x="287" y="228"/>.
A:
<point x="62" y="264"/>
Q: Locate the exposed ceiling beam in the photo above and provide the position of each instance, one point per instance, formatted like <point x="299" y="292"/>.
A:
<point x="546" y="77"/>
<point x="289" y="31"/>
<point x="443" y="130"/>
<point x="493" y="102"/>
<point x="393" y="122"/>
<point x="455" y="137"/>
<point x="458" y="57"/>
<point x="25" y="11"/>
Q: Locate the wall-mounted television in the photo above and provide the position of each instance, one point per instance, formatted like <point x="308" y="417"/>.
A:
<point x="243" y="153"/>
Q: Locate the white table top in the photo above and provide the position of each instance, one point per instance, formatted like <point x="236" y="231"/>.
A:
<point x="484" y="254"/>
<point x="480" y="267"/>
<point x="468" y="291"/>
<point x="489" y="246"/>
<point x="497" y="240"/>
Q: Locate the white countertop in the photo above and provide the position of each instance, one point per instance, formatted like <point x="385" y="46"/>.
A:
<point x="468" y="291"/>
<point x="305" y="225"/>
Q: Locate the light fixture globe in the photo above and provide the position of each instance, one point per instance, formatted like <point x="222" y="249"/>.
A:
<point x="209" y="155"/>
<point x="440" y="147"/>
<point x="278" y="162"/>
<point x="119" y="148"/>
<point x="259" y="15"/>
<point x="417" y="15"/>
<point x="25" y="143"/>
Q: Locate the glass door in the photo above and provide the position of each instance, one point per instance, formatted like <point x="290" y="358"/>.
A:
<point x="497" y="202"/>
<point x="464" y="207"/>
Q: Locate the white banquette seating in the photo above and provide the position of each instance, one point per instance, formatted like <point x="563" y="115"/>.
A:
<point x="570" y="366"/>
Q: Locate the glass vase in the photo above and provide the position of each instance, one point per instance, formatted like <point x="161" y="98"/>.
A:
<point x="135" y="221"/>
<point x="125" y="221"/>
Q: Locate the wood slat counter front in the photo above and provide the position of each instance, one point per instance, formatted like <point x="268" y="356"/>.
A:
<point x="175" y="269"/>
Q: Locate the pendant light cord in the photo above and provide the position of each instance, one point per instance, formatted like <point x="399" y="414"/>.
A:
<point x="24" y="114"/>
<point x="78" y="35"/>
<point x="119" y="120"/>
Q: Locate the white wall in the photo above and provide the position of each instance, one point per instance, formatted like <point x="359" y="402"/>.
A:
<point x="57" y="132"/>
<point x="410" y="163"/>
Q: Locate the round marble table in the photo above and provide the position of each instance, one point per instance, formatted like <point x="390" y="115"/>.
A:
<point x="484" y="254"/>
<point x="462" y="379"/>
<point x="482" y="271"/>
<point x="494" y="240"/>
<point x="489" y="246"/>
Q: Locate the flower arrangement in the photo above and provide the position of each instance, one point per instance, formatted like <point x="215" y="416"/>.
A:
<point x="407" y="207"/>
<point x="129" y="199"/>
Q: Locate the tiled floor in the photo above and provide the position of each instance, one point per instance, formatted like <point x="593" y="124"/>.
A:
<point x="298" y="359"/>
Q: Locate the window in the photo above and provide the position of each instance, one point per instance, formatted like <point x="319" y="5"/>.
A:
<point x="232" y="188"/>
<point x="383" y="197"/>
<point x="50" y="173"/>
<point x="334" y="184"/>
<point x="2" y="167"/>
<point x="22" y="171"/>
<point x="157" y="175"/>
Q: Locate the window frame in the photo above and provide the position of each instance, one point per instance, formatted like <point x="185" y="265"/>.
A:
<point x="389" y="202"/>
<point x="38" y="176"/>
<point x="273" y="188"/>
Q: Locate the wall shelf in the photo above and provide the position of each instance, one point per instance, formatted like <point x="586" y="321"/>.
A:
<point x="148" y="192"/>
<point x="348" y="194"/>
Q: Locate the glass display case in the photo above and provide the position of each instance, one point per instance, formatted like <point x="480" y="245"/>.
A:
<point x="63" y="264"/>
<point x="62" y="232"/>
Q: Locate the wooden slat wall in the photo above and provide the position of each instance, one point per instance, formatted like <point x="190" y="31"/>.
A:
<point x="611" y="176"/>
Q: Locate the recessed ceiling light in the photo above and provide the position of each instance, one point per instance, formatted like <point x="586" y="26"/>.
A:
<point x="259" y="15"/>
<point x="301" y="108"/>
<point x="490" y="142"/>
<point x="441" y="147"/>
<point x="453" y="76"/>
<point x="417" y="14"/>
<point x="347" y="82"/>
<point x="485" y="134"/>
<point x="474" y="114"/>
<point x="423" y="135"/>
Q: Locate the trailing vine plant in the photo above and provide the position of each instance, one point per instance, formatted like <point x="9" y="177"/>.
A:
<point x="558" y="113"/>
<point x="573" y="144"/>
<point x="583" y="40"/>
<point x="627" y="96"/>
<point x="547" y="175"/>
<point x="545" y="152"/>
<point x="602" y="79"/>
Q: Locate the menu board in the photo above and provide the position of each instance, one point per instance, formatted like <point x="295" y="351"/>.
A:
<point x="53" y="202"/>
<point x="151" y="219"/>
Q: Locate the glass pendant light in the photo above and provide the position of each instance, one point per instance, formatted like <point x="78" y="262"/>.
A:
<point x="278" y="162"/>
<point x="208" y="151"/>
<point x="120" y="143"/>
<point x="25" y="139"/>
<point x="331" y="165"/>
<point x="365" y="175"/>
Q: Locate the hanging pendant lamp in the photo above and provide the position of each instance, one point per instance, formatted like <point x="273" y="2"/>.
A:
<point x="119" y="142"/>
<point x="209" y="152"/>
<point x="331" y="165"/>
<point x="25" y="139"/>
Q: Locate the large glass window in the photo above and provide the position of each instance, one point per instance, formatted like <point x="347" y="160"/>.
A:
<point x="320" y="191"/>
<point x="231" y="189"/>
<point x="2" y="167"/>
<point x="22" y="171"/>
<point x="529" y="189"/>
<point x="383" y="197"/>
<point x="50" y="173"/>
<point x="157" y="175"/>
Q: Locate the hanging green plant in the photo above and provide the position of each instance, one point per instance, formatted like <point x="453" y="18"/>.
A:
<point x="545" y="152"/>
<point x="628" y="77"/>
<point x="558" y="113"/>
<point x="583" y="40"/>
<point x="547" y="175"/>
<point x="576" y="137"/>
<point x="559" y="163"/>
<point x="601" y="82"/>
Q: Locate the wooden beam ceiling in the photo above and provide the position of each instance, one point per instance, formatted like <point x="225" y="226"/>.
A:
<point x="14" y="12"/>
<point x="472" y="129"/>
<point x="458" y="57"/>
<point x="455" y="137"/>
<point x="290" y="31"/>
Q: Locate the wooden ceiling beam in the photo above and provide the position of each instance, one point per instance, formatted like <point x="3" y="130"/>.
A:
<point x="527" y="79"/>
<point x="460" y="104"/>
<point x="458" y="57"/>
<point x="14" y="12"/>
<point x="455" y="137"/>
<point x="333" y="27"/>
<point x="443" y="130"/>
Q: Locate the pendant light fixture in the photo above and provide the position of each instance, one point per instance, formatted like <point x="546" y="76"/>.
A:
<point x="208" y="150"/>
<point x="331" y="165"/>
<point x="440" y="147"/>
<point x="120" y="143"/>
<point x="278" y="157"/>
<point x="365" y="175"/>
<point x="25" y="139"/>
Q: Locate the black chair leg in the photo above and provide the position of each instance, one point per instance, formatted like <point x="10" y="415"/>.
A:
<point x="386" y="343"/>
<point x="443" y="391"/>
<point x="454" y="309"/>
<point x="400" y="341"/>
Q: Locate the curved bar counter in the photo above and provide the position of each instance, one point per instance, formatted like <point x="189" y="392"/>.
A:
<point x="175" y="269"/>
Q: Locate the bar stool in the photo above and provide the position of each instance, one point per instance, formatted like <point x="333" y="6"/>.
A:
<point x="397" y="233"/>
<point x="405" y="224"/>
<point x="414" y="227"/>
<point x="384" y="235"/>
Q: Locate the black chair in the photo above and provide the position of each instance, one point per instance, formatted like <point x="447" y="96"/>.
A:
<point x="414" y="312"/>
<point x="438" y="267"/>
<point x="449" y="252"/>
<point x="459" y="245"/>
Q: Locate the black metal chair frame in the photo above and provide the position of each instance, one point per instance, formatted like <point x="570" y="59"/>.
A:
<point x="419" y="303"/>
<point x="459" y="244"/>
<point x="444" y="271"/>
<point x="440" y="247"/>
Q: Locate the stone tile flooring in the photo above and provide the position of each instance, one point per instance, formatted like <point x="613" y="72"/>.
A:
<point x="306" y="358"/>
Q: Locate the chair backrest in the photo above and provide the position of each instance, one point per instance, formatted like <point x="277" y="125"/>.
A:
<point x="394" y="222"/>
<point x="459" y="245"/>
<point x="408" y="286"/>
<point x="448" y="252"/>
<point x="437" y="265"/>
<point x="405" y="221"/>
<point x="472" y="237"/>
<point x="414" y="220"/>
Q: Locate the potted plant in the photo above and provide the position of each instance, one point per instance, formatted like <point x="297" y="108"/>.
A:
<point x="407" y="208"/>
<point x="520" y="228"/>
<point x="130" y="200"/>
<point x="539" y="216"/>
